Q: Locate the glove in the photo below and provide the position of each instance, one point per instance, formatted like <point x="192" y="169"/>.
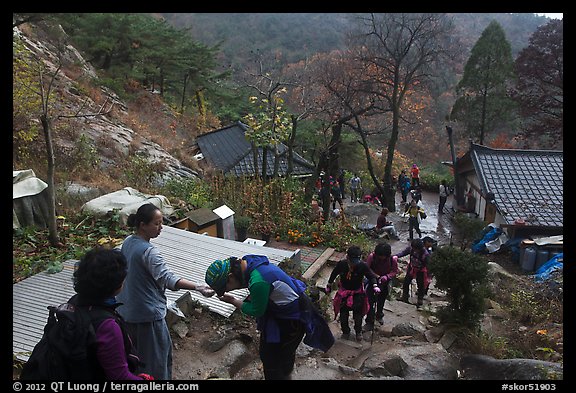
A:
<point x="328" y="288"/>
<point x="146" y="377"/>
<point x="205" y="290"/>
<point x="383" y="279"/>
<point x="376" y="289"/>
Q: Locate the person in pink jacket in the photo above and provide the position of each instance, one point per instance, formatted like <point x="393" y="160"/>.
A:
<point x="385" y="267"/>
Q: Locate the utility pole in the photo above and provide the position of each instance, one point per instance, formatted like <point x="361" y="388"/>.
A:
<point x="457" y="191"/>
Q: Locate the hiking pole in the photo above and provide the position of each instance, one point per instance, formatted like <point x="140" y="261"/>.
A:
<point x="373" y="324"/>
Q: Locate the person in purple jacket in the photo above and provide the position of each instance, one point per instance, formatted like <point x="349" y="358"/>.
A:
<point x="98" y="278"/>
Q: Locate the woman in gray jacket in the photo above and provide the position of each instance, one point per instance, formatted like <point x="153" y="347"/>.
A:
<point x="144" y="302"/>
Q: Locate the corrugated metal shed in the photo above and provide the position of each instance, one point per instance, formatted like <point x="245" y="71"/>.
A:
<point x="187" y="253"/>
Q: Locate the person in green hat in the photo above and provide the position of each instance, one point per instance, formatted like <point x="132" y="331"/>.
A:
<point x="284" y="313"/>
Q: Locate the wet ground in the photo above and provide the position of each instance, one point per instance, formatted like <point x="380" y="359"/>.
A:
<point x="437" y="226"/>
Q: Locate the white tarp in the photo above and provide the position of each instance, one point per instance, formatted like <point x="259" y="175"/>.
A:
<point x="25" y="183"/>
<point x="29" y="208"/>
<point x="126" y="201"/>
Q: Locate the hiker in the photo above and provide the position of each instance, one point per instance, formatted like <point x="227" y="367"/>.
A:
<point x="385" y="266"/>
<point x="442" y="195"/>
<point x="415" y="214"/>
<point x="98" y="278"/>
<point x="470" y="203"/>
<point x="404" y="185"/>
<point x="336" y="193"/>
<point x="385" y="227"/>
<point x="415" y="174"/>
<point x="355" y="188"/>
<point x="416" y="194"/>
<point x="351" y="295"/>
<point x="283" y="312"/>
<point x="417" y="268"/>
<point x="144" y="302"/>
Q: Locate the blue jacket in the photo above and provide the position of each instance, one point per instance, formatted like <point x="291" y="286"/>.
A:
<point x="318" y="333"/>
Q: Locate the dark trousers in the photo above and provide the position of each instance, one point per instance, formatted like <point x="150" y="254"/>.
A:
<point x="441" y="204"/>
<point x="414" y="225"/>
<point x="419" y="282"/>
<point x="278" y="358"/>
<point x="357" y="315"/>
<point x="380" y="298"/>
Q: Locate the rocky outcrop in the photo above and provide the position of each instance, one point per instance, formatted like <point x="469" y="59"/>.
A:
<point x="100" y="122"/>
<point x="486" y="367"/>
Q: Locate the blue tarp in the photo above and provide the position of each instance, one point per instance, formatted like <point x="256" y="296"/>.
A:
<point x="480" y="246"/>
<point x="553" y="264"/>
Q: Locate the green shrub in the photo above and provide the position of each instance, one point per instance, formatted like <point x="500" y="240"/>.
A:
<point x="463" y="275"/>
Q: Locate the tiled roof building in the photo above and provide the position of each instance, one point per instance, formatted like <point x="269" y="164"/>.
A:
<point x="228" y="150"/>
<point x="523" y="185"/>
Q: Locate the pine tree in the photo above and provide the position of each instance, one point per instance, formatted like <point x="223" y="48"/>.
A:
<point x="483" y="104"/>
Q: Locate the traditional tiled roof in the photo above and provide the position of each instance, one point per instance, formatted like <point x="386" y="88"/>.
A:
<point x="228" y="150"/>
<point x="527" y="184"/>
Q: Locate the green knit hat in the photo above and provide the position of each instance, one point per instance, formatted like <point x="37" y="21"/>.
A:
<point x="217" y="275"/>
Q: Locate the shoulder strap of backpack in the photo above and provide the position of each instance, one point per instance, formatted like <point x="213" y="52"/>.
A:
<point x="99" y="314"/>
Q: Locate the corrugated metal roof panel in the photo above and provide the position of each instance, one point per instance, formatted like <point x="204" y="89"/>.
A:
<point x="188" y="254"/>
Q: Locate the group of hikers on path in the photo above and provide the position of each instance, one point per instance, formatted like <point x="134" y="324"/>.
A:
<point x="133" y="340"/>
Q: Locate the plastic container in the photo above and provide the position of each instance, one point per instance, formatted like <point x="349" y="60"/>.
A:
<point x="529" y="259"/>
<point x="542" y="256"/>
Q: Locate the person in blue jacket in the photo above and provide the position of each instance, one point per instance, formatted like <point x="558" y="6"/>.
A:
<point x="284" y="313"/>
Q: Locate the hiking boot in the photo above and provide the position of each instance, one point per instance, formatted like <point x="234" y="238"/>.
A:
<point x="380" y="320"/>
<point x="345" y="336"/>
<point x="403" y="299"/>
<point x="359" y="337"/>
<point x="369" y="327"/>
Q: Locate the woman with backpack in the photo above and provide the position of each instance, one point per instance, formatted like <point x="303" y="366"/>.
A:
<point x="98" y="278"/>
<point x="88" y="340"/>
<point x="417" y="268"/>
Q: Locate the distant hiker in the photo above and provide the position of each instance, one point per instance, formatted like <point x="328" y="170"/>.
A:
<point x="415" y="214"/>
<point x="417" y="268"/>
<point x="284" y="313"/>
<point x="336" y="193"/>
<point x="355" y="188"/>
<point x="144" y="303"/>
<point x="404" y="185"/>
<point x="351" y="295"/>
<point x="415" y="174"/>
<point x="470" y="203"/>
<point x="416" y="194"/>
<point x="443" y="196"/>
<point x="385" y="266"/>
<point x="383" y="226"/>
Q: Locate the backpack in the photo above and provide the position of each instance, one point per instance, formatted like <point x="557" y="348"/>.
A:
<point x="67" y="349"/>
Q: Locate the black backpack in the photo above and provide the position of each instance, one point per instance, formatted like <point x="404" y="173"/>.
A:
<point x="67" y="350"/>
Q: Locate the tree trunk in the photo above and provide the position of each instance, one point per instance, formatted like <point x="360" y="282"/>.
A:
<point x="52" y="227"/>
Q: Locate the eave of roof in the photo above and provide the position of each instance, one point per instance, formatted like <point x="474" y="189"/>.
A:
<point x="527" y="184"/>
